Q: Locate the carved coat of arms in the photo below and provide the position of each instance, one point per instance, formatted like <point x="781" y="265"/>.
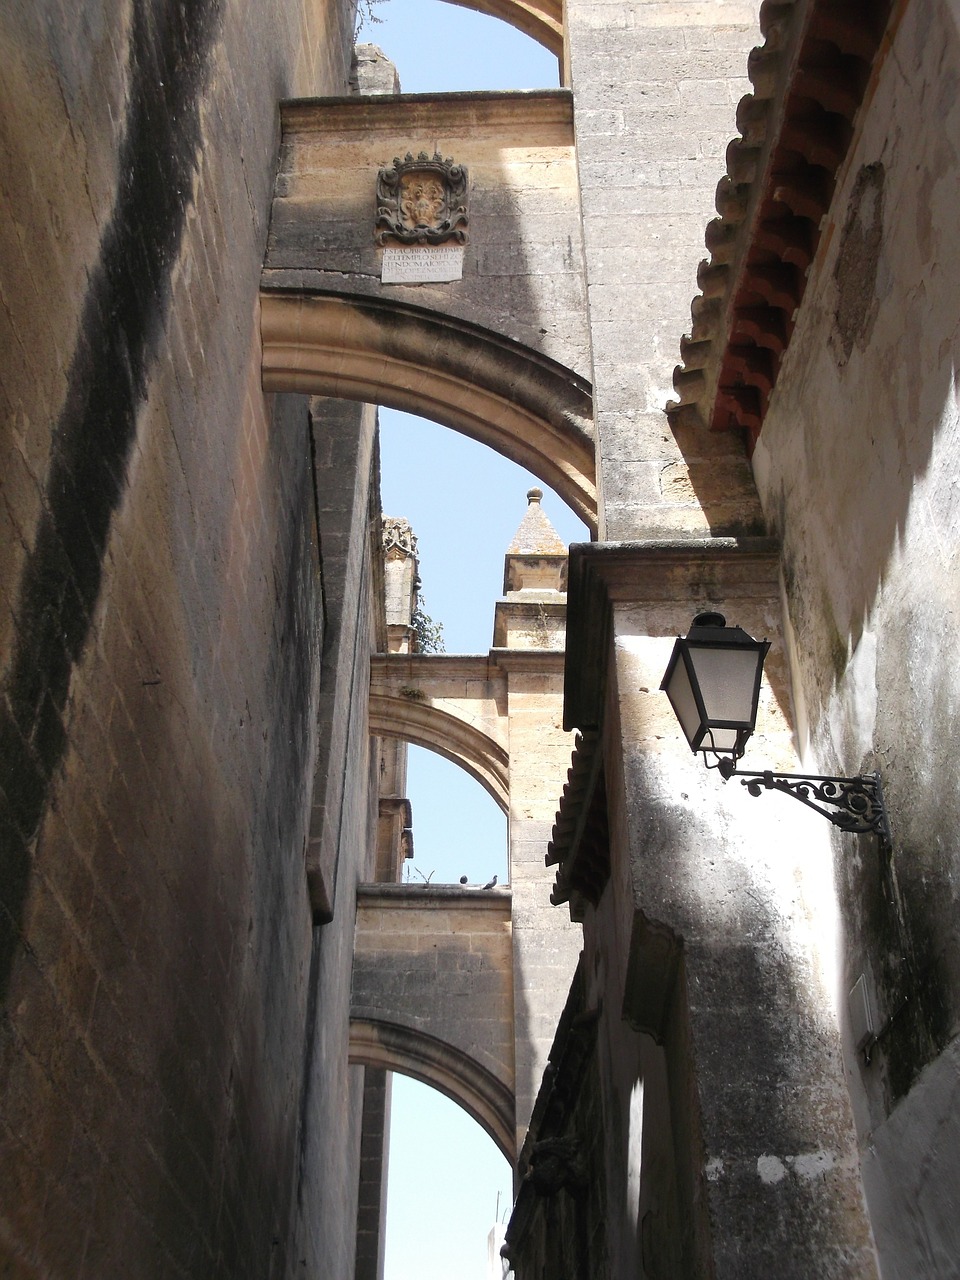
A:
<point x="421" y="200"/>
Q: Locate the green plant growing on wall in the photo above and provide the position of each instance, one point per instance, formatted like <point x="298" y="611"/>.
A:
<point x="427" y="633"/>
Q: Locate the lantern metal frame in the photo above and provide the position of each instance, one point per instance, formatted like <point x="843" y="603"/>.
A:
<point x="851" y="804"/>
<point x="709" y="632"/>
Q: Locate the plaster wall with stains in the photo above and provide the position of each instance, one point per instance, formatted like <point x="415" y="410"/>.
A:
<point x="858" y="469"/>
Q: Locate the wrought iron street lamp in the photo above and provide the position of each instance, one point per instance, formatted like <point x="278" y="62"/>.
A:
<point x="713" y="683"/>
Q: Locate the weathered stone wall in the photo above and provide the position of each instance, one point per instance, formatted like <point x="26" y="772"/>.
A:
<point x="331" y="1098"/>
<point x="655" y="89"/>
<point x="374" y="1152"/>
<point x="546" y="943"/>
<point x="348" y="530"/>
<point x="523" y="259"/>
<point x="857" y="470"/>
<point x="560" y="1221"/>
<point x="161" y="633"/>
<point x="433" y="994"/>
<point x="731" y="1149"/>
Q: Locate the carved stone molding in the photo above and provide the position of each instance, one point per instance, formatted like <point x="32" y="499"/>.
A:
<point x="524" y="405"/>
<point x="421" y="200"/>
<point x="397" y="535"/>
<point x="580" y="839"/>
<point x="489" y="1100"/>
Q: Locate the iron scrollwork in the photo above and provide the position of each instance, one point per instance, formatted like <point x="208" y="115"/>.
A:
<point x="421" y="200"/>
<point x="855" y="804"/>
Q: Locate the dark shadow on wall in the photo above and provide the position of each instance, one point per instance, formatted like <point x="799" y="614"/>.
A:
<point x="120" y="330"/>
<point x="864" y="415"/>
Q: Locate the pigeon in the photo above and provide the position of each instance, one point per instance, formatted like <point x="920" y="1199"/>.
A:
<point x="490" y="883"/>
<point x="463" y="879"/>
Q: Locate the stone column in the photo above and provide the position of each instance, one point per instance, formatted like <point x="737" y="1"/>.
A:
<point x="528" y="645"/>
<point x="655" y="91"/>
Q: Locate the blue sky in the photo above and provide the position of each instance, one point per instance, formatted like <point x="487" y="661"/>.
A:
<point x="465" y="503"/>
<point x="440" y="48"/>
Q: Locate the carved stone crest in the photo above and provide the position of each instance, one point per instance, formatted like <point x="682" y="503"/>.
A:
<point x="421" y="201"/>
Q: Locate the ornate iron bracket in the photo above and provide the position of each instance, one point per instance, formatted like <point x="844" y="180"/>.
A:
<point x="856" y="804"/>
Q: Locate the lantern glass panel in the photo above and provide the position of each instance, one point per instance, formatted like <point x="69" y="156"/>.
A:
<point x="726" y="740"/>
<point x="728" y="680"/>
<point x="684" y="704"/>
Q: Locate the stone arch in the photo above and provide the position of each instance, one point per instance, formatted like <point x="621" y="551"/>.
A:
<point x="542" y="20"/>
<point x="375" y="1043"/>
<point x="428" y="726"/>
<point x="497" y="391"/>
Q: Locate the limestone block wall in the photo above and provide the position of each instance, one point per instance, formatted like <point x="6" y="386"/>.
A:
<point x="435" y="962"/>
<point x="332" y="1092"/>
<point x="546" y="943"/>
<point x="857" y="470"/>
<point x="655" y="90"/>
<point x="160" y="632"/>
<point x="523" y="262"/>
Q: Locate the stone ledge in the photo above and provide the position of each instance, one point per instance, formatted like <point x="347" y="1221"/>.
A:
<point x="439" y="895"/>
<point x="603" y="574"/>
<point x="525" y="108"/>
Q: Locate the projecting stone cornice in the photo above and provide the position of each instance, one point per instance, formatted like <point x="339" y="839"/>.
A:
<point x="796" y="128"/>
<point x="526" y="109"/>
<point x="529" y="661"/>
<point x="580" y="842"/>
<point x="608" y="574"/>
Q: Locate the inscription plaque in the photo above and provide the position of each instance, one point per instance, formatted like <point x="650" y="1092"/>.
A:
<point x="422" y="264"/>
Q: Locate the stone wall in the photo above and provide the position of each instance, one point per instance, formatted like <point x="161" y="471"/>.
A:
<point x="437" y="960"/>
<point x="161" y="630"/>
<point x="857" y="469"/>
<point x="523" y="258"/>
<point x="655" y="90"/>
<point x="730" y="1142"/>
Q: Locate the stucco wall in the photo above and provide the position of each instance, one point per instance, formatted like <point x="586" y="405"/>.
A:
<point x="857" y="469"/>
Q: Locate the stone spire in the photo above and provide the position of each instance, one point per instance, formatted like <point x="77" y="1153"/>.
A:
<point x="536" y="535"/>
<point x="536" y="559"/>
<point x="532" y="613"/>
<point x="401" y="580"/>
